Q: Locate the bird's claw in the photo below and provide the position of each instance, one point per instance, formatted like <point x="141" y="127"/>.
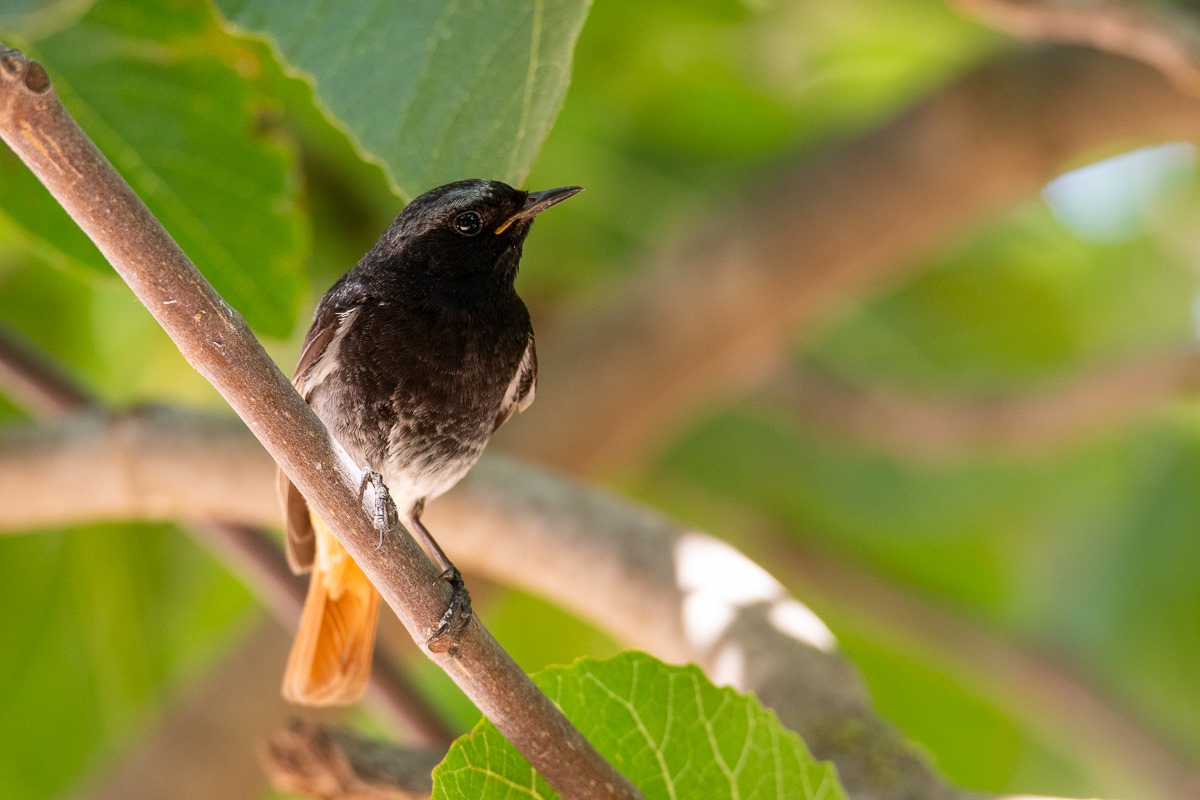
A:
<point x="383" y="502"/>
<point x="458" y="613"/>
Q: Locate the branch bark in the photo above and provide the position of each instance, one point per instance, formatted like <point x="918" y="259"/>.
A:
<point x="218" y="344"/>
<point x="718" y="312"/>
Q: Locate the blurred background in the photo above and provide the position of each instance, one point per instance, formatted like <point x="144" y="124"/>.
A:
<point x="903" y="306"/>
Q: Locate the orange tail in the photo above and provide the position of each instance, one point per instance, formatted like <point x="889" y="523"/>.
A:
<point x="331" y="656"/>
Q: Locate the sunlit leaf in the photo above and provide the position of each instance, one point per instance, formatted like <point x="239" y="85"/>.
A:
<point x="666" y="728"/>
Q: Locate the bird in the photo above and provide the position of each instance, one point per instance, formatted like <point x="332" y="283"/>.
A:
<point x="414" y="358"/>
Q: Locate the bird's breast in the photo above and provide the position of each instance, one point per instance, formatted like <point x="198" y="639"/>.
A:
<point x="415" y="396"/>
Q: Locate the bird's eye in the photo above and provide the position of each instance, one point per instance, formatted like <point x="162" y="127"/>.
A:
<point x="468" y="223"/>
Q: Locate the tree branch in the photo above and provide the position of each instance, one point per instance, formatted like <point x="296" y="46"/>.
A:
<point x="1165" y="38"/>
<point x="938" y="430"/>
<point x="218" y="344"/>
<point x="718" y="312"/>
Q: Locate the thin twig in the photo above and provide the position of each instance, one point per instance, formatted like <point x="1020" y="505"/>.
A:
<point x="38" y="386"/>
<point x="217" y="343"/>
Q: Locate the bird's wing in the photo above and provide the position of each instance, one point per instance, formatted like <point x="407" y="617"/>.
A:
<point x="318" y="357"/>
<point x="521" y="389"/>
<point x="318" y="354"/>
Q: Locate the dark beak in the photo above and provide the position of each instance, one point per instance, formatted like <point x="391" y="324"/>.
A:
<point x="537" y="202"/>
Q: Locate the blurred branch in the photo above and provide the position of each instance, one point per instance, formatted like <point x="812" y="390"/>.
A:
<point x="1166" y="38"/>
<point x="333" y="764"/>
<point x="32" y="382"/>
<point x="134" y="463"/>
<point x="637" y="574"/>
<point x="719" y="311"/>
<point x="230" y="714"/>
<point x="936" y="430"/>
<point x="217" y="343"/>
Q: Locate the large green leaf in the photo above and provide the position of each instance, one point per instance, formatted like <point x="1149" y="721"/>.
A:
<point x="434" y="92"/>
<point x="159" y="99"/>
<point x="666" y="728"/>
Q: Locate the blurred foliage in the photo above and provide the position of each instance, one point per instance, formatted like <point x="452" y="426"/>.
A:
<point x="101" y="624"/>
<point x="1086" y="556"/>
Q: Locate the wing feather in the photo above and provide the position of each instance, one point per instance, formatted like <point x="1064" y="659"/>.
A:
<point x="522" y="388"/>
<point x="318" y="357"/>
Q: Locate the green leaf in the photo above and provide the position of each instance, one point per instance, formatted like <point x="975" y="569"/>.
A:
<point x="432" y="92"/>
<point x="179" y="124"/>
<point x="666" y="728"/>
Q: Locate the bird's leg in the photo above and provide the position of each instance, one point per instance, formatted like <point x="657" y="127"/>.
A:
<point x="384" y="507"/>
<point x="458" y="613"/>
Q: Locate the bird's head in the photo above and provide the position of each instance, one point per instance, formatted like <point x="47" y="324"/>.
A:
<point x="467" y="228"/>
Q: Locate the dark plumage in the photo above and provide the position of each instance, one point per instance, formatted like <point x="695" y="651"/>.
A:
<point x="414" y="358"/>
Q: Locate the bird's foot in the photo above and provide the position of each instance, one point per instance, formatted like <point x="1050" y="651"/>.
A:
<point x="458" y="613"/>
<point x="384" y="507"/>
